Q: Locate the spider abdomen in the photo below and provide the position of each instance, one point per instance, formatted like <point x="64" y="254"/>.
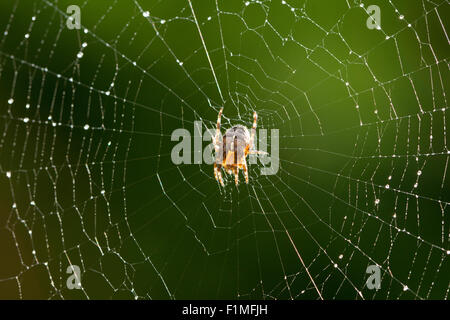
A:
<point x="235" y="145"/>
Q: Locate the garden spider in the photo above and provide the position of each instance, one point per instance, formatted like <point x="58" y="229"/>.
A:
<point x="232" y="150"/>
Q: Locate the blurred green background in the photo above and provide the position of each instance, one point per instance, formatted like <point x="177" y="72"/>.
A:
<point x="86" y="176"/>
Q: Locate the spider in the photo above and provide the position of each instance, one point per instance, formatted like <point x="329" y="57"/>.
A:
<point x="232" y="150"/>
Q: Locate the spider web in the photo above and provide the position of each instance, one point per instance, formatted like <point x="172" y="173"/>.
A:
<point x="85" y="161"/>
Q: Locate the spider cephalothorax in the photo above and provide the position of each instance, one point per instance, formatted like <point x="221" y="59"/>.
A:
<point x="232" y="150"/>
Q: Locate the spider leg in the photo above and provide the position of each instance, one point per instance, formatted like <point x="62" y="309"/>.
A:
<point x="216" y="138"/>
<point x="215" y="172"/>
<point x="252" y="135"/>
<point x="218" y="174"/>
<point x="216" y="147"/>
<point x="220" y="178"/>
<point x="245" y="168"/>
<point x="236" y="175"/>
